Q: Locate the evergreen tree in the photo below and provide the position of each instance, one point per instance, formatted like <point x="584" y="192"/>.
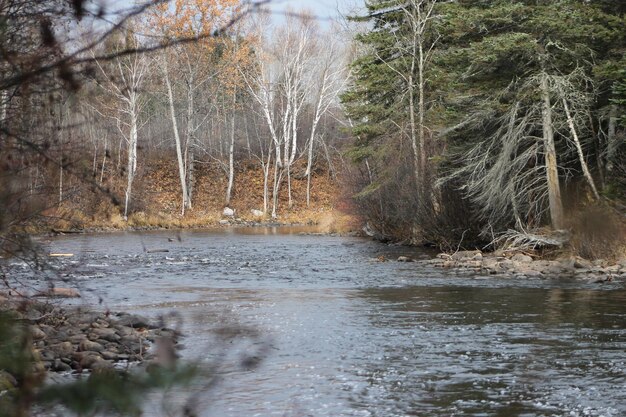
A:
<point x="387" y="106"/>
<point x="524" y="87"/>
<point x="517" y="94"/>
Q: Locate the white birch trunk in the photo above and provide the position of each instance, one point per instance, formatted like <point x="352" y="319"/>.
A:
<point x="132" y="158"/>
<point x="179" y="154"/>
<point x="581" y="155"/>
<point x="231" y="154"/>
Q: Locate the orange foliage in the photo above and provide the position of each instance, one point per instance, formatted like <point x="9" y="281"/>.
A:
<point x="192" y="18"/>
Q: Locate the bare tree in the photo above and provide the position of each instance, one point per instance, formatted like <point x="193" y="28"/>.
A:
<point x="330" y="79"/>
<point x="124" y="80"/>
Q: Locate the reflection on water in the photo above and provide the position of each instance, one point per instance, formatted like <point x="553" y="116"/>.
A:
<point x="501" y="351"/>
<point x="351" y="336"/>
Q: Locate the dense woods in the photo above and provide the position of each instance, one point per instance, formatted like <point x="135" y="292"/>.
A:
<point x="467" y="125"/>
<point x="447" y="123"/>
<point x="504" y="117"/>
<point x="203" y="91"/>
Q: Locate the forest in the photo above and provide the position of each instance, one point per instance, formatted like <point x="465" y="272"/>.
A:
<point x="430" y="122"/>
<point x="215" y="135"/>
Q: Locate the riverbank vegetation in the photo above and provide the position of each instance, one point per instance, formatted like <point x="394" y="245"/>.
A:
<point x="469" y="124"/>
<point x="483" y="124"/>
<point x="475" y="125"/>
<point x="183" y="114"/>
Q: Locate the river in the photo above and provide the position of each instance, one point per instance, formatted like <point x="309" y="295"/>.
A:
<point x="340" y="333"/>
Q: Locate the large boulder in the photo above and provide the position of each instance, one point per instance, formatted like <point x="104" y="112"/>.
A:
<point x="228" y="212"/>
<point x="257" y="213"/>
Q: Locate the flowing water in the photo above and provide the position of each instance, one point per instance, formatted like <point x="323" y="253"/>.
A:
<point x="340" y="333"/>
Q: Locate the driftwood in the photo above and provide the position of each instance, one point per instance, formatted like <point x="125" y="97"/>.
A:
<point x="520" y="241"/>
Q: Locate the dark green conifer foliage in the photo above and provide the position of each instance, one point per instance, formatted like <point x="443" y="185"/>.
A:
<point x="485" y="99"/>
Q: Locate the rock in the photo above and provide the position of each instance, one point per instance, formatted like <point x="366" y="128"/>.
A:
<point x="490" y="263"/>
<point x="465" y="255"/>
<point x="228" y="212"/>
<point x="224" y="222"/>
<point x="109" y="355"/>
<point x="581" y="263"/>
<point x="79" y="356"/>
<point x="444" y="256"/>
<point x="107" y="334"/>
<point x="100" y="366"/>
<point x="520" y="257"/>
<point x="89" y="361"/>
<point x="88" y="345"/>
<point x="59" y="293"/>
<point x="63" y="349"/>
<point x="37" y="333"/>
<point x="405" y="259"/>
<point x="123" y="330"/>
<point x="60" y="366"/>
<point x="257" y="213"/>
<point x="448" y="264"/>
<point x="474" y="264"/>
<point x="507" y="265"/>
<point x="613" y="269"/>
<point x="135" y="321"/>
<point x="76" y="339"/>
<point x="600" y="263"/>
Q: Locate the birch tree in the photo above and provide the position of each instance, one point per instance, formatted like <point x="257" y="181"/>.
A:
<point x="124" y="81"/>
<point x="281" y="86"/>
<point x="191" y="63"/>
<point x="330" y="76"/>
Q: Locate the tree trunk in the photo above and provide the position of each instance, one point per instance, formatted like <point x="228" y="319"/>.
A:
<point x="276" y="188"/>
<point x="266" y="179"/>
<point x="552" y="173"/>
<point x="104" y="160"/>
<point x="190" y="146"/>
<point x="231" y="154"/>
<point x="179" y="154"/>
<point x="309" y="168"/>
<point x="581" y="155"/>
<point x="4" y="103"/>
<point x="132" y="159"/>
<point x="612" y="143"/>
<point x="421" y="110"/>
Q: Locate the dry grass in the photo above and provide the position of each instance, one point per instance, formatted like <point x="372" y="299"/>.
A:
<point x="598" y="232"/>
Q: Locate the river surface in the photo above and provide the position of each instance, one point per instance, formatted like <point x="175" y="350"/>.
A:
<point x="339" y="333"/>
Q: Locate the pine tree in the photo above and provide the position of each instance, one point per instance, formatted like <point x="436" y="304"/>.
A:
<point x="522" y="87"/>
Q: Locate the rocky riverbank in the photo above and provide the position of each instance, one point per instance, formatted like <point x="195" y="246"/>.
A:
<point x="74" y="340"/>
<point x="521" y="266"/>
